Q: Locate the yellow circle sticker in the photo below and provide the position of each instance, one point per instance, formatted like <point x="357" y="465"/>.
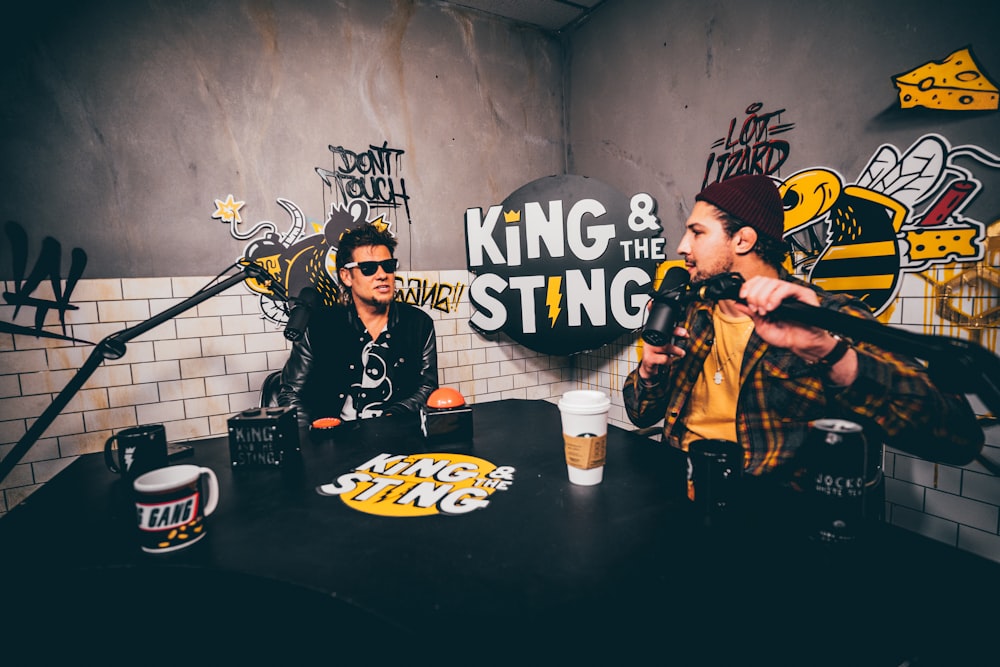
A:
<point x="420" y="484"/>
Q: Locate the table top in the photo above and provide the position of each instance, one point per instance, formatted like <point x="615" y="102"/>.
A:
<point x="532" y="565"/>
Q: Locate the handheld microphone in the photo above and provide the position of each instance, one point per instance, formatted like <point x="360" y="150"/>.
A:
<point x="298" y="317"/>
<point x="667" y="307"/>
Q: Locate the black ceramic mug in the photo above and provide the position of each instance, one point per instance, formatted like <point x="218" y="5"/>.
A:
<point x="716" y="471"/>
<point x="133" y="451"/>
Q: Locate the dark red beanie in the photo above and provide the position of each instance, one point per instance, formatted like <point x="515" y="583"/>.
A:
<point x="753" y="199"/>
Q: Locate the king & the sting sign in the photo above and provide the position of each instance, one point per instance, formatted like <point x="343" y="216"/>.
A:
<point x="564" y="264"/>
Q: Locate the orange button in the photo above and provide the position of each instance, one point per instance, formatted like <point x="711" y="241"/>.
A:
<point x="445" y="397"/>
<point x="326" y="422"/>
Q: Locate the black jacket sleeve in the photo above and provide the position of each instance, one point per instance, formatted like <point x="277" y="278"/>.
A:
<point x="293" y="378"/>
<point x="428" y="380"/>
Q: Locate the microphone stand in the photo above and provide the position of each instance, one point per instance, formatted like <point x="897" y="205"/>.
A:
<point x="113" y="347"/>
<point x="955" y="365"/>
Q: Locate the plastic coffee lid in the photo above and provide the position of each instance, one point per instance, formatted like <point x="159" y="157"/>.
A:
<point x="585" y="401"/>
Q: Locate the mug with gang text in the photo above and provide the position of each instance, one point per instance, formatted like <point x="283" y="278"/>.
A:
<point x="171" y="505"/>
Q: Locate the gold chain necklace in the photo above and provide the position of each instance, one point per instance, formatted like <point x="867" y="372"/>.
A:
<point x="719" y="363"/>
<point x="717" y="378"/>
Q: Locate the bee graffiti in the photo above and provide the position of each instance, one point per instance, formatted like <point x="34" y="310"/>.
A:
<point x="904" y="214"/>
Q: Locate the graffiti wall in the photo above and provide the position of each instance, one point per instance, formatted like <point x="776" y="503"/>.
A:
<point x="48" y="267"/>
<point x="365" y="187"/>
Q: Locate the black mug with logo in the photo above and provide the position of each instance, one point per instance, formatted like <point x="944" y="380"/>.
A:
<point x="716" y="474"/>
<point x="134" y="451"/>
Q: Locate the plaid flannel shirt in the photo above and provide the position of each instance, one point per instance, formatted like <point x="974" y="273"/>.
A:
<point x="780" y="394"/>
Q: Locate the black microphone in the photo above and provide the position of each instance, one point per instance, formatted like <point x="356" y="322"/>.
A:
<point x="667" y="307"/>
<point x="298" y="317"/>
<point x="717" y="288"/>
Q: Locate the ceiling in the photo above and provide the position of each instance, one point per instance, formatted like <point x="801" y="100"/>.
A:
<point x="549" y="15"/>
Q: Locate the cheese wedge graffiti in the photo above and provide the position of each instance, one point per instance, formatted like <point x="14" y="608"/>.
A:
<point x="957" y="83"/>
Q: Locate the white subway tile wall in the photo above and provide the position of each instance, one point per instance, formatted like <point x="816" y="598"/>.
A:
<point x="193" y="372"/>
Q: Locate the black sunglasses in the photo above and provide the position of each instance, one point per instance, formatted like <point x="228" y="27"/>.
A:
<point x="369" y="268"/>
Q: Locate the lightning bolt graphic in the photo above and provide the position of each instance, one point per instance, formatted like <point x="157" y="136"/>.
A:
<point x="553" y="297"/>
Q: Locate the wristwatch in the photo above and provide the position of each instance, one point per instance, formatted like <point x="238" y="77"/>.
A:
<point x="833" y="356"/>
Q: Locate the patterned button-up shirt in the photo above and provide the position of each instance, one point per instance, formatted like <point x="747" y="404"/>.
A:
<point x="892" y="398"/>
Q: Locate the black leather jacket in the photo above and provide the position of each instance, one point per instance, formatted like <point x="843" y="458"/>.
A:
<point x="326" y="365"/>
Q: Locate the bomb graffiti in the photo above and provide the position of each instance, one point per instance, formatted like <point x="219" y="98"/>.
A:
<point x="296" y="260"/>
<point x="363" y="182"/>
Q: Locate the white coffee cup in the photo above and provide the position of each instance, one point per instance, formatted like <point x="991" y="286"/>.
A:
<point x="585" y="433"/>
<point x="171" y="504"/>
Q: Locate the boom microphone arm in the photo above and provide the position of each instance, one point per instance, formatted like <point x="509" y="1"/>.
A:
<point x="955" y="365"/>
<point x="113" y="347"/>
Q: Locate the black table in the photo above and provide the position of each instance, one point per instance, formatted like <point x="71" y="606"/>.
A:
<point x="545" y="571"/>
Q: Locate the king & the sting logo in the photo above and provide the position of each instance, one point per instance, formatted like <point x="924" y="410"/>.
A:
<point x="564" y="264"/>
<point x="420" y="484"/>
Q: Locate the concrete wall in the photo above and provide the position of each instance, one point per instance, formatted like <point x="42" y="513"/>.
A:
<point x="654" y="83"/>
<point x="124" y="122"/>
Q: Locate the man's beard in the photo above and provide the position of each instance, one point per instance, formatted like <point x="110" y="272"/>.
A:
<point x="701" y="274"/>
<point x="379" y="302"/>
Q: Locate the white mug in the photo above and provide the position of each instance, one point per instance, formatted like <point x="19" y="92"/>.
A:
<point x="171" y="505"/>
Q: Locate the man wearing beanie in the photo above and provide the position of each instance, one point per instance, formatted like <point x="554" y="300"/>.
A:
<point x="737" y="375"/>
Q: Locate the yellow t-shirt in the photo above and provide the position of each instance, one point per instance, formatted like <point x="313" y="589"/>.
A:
<point x="711" y="413"/>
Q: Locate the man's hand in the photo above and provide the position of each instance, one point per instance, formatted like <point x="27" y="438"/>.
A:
<point x="763" y="295"/>
<point x="656" y="356"/>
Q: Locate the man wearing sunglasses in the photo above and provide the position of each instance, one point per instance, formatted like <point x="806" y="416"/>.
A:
<point x="371" y="355"/>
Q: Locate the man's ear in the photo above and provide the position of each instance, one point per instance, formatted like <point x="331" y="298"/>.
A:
<point x="345" y="276"/>
<point x="744" y="240"/>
